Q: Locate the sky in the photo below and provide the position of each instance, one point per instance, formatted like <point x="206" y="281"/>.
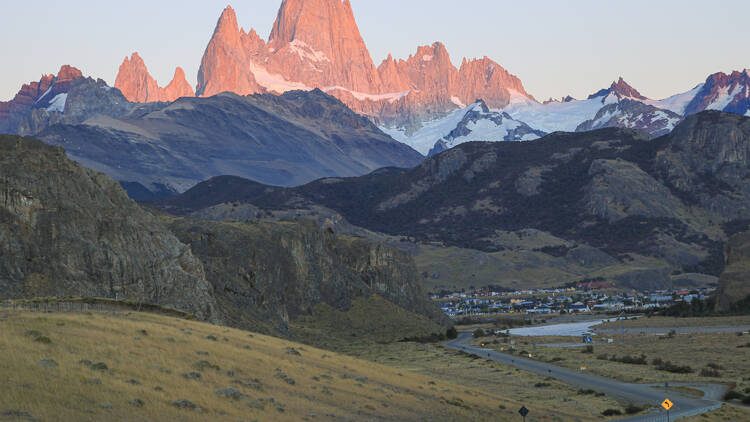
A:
<point x="556" y="47"/>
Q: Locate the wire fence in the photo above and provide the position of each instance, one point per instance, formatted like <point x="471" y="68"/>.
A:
<point x="94" y="305"/>
<point x="675" y="416"/>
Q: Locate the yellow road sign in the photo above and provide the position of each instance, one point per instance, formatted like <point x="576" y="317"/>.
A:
<point x="667" y="404"/>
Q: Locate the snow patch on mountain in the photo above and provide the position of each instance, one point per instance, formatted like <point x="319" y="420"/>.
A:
<point x="361" y="96"/>
<point x="517" y="99"/>
<point x="303" y="50"/>
<point x="424" y="139"/>
<point x="274" y="82"/>
<point x="633" y="114"/>
<point x="457" y="101"/>
<point x="556" y="116"/>
<point x="481" y="124"/>
<point x="58" y="103"/>
<point x="676" y="103"/>
<point x="724" y="98"/>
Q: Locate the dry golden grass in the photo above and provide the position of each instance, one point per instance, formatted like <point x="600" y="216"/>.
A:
<point x="727" y="413"/>
<point x="672" y="322"/>
<point x="480" y="374"/>
<point x="694" y="350"/>
<point x="156" y="350"/>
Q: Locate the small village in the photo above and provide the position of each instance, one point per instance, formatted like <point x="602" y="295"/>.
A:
<point x="580" y="298"/>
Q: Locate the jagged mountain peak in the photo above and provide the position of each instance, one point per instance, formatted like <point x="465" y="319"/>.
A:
<point x="623" y="89"/>
<point x="317" y="44"/>
<point x="619" y="89"/>
<point x="725" y="92"/>
<point x="227" y="22"/>
<point x="137" y="84"/>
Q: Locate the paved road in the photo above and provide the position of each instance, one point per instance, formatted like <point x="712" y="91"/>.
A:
<point x="635" y="393"/>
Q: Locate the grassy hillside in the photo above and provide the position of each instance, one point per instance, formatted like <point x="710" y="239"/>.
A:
<point x="137" y="366"/>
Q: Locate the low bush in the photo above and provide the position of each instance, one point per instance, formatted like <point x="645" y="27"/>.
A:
<point x="451" y="333"/>
<point x="675" y="369"/>
<point x="733" y="395"/>
<point x="589" y="349"/>
<point x="632" y="409"/>
<point x="611" y="412"/>
<point x="710" y="372"/>
<point x="631" y="360"/>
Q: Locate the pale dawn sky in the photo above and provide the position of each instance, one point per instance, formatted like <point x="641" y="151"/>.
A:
<point x="556" y="47"/>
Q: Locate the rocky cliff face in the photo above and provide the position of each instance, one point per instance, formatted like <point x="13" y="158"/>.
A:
<point x="67" y="230"/>
<point x="317" y="42"/>
<point x="734" y="284"/>
<point x="137" y="85"/>
<point x="707" y="162"/>
<point x="277" y="272"/>
<point x="226" y="62"/>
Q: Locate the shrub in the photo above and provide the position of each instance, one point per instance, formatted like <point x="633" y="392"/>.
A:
<point x="710" y="372"/>
<point x="733" y="395"/>
<point x="588" y="349"/>
<point x="479" y="333"/>
<point x="451" y="333"/>
<point x="746" y="400"/>
<point x="603" y="356"/>
<point x="611" y="412"/>
<point x="631" y="360"/>
<point x="632" y="409"/>
<point x="676" y="369"/>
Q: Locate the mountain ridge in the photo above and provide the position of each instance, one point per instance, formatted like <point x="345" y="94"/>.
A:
<point x="281" y="140"/>
<point x="653" y="206"/>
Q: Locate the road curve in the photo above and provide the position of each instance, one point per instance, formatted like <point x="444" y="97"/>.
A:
<point x="634" y="393"/>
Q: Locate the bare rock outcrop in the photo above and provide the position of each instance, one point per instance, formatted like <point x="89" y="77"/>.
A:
<point x="66" y="230"/>
<point x="317" y="44"/>
<point x="138" y="86"/>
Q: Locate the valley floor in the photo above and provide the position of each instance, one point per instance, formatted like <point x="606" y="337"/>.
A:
<point x="690" y="355"/>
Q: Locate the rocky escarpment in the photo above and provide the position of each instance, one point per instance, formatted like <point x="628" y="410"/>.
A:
<point x="69" y="231"/>
<point x="66" y="230"/>
<point x="734" y="284"/>
<point x="277" y="272"/>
